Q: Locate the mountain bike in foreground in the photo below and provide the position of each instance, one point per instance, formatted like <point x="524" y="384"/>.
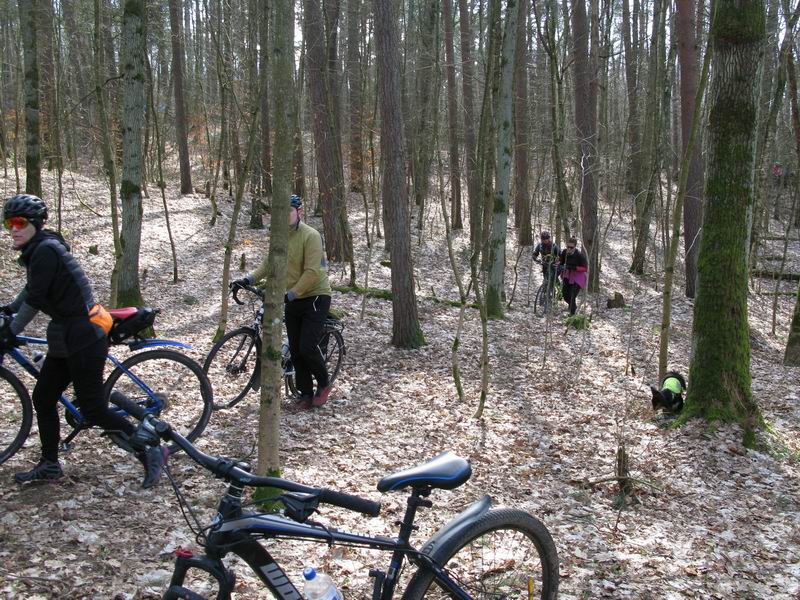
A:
<point x="159" y="380"/>
<point x="234" y="362"/>
<point x="483" y="553"/>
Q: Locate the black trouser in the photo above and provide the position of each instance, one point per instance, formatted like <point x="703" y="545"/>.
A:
<point x="305" y="322"/>
<point x="84" y="370"/>
<point x="570" y="292"/>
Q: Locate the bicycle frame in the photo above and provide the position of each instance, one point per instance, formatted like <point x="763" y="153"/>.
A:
<point x="74" y="413"/>
<point x="238" y="535"/>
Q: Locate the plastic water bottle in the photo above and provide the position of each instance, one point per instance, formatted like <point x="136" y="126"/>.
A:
<point x="318" y="586"/>
<point x="38" y="359"/>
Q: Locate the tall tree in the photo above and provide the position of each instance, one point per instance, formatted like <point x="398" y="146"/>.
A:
<point x="181" y="126"/>
<point x="319" y="34"/>
<point x="651" y="155"/>
<point x="282" y="60"/>
<point x="693" y="206"/>
<point x="33" y="151"/>
<point x="468" y="95"/>
<point x="452" y="116"/>
<point x="495" y="289"/>
<point x="107" y="146"/>
<point x="355" y="91"/>
<point x="586" y="129"/>
<point x="720" y="362"/>
<point x="426" y="103"/>
<point x="630" y="37"/>
<point x="132" y="67"/>
<point x="522" y="200"/>
<point x="264" y="65"/>
<point x="406" y="331"/>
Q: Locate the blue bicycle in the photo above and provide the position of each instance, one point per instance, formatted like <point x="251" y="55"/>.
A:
<point x="161" y="381"/>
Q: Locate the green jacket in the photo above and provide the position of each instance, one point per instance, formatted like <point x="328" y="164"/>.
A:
<point x="306" y="266"/>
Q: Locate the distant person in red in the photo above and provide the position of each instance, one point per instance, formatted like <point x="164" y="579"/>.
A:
<point x="573" y="274"/>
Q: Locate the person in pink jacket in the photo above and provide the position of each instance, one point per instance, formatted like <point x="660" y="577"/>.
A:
<point x="574" y="270"/>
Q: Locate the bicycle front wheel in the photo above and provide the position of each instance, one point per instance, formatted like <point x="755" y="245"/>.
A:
<point x="168" y="384"/>
<point x="232" y="365"/>
<point x="16" y="414"/>
<point x="505" y="553"/>
<point x="542" y="301"/>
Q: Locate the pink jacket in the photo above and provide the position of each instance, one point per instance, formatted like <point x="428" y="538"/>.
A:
<point x="577" y="275"/>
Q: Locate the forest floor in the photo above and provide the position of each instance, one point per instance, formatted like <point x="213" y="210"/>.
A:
<point x="708" y="518"/>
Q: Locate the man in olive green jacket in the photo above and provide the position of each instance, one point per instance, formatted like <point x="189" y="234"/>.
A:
<point x="307" y="301"/>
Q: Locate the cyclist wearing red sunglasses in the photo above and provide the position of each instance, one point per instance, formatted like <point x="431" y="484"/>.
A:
<point x="76" y="347"/>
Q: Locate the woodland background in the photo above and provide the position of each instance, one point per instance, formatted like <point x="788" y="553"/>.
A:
<point x="433" y="141"/>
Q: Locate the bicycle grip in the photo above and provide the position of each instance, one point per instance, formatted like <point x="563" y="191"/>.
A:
<point x="362" y="505"/>
<point x="129" y="406"/>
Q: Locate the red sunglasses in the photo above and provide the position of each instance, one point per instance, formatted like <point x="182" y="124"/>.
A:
<point x="15" y="222"/>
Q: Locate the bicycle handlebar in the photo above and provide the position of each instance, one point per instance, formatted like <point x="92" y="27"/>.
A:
<point x="236" y="288"/>
<point x="228" y="470"/>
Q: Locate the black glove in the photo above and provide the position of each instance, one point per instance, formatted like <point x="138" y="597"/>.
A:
<point x="239" y="283"/>
<point x="6" y="310"/>
<point x="7" y="339"/>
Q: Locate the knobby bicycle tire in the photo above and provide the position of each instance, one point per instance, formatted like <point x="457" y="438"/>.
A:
<point x="232" y="364"/>
<point x="16" y="414"/>
<point x="544" y="300"/>
<point x="331" y="345"/>
<point x="505" y="553"/>
<point x="178" y="382"/>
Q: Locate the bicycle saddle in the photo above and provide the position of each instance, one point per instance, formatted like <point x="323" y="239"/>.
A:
<point x="446" y="471"/>
<point x="120" y="314"/>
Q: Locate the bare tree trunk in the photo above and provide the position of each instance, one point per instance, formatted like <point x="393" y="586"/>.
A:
<point x="29" y="33"/>
<point x="452" y="116"/>
<point x="693" y="214"/>
<point x="285" y="107"/>
<point x="586" y="126"/>
<point x="471" y="162"/>
<point x="109" y="162"/>
<point x="132" y="66"/>
<point x="266" y="134"/>
<point x="320" y="38"/>
<point x="522" y="199"/>
<point x="406" y="332"/>
<point x="180" y="103"/>
<point x="426" y="104"/>
<point x="355" y="88"/>
<point x="495" y="290"/>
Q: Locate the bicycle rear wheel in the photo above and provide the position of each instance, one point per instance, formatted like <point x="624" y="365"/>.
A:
<point x="505" y="553"/>
<point x="331" y="346"/>
<point x="232" y="366"/>
<point x="16" y="414"/>
<point x="168" y="384"/>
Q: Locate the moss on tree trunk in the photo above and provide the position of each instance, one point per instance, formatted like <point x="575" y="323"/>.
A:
<point x="719" y="387"/>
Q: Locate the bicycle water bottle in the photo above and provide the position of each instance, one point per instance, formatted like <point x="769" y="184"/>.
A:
<point x="318" y="586"/>
<point x="38" y="359"/>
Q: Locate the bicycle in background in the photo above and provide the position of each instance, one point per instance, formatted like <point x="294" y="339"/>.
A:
<point x="483" y="553"/>
<point x="234" y="362"/>
<point x="160" y="380"/>
<point x="548" y="293"/>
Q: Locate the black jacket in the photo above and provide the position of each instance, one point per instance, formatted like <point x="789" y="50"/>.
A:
<point x="58" y="287"/>
<point x="574" y="260"/>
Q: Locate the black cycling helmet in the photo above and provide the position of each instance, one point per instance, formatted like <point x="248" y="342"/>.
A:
<point x="545" y="235"/>
<point x="295" y="201"/>
<point x="29" y="206"/>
